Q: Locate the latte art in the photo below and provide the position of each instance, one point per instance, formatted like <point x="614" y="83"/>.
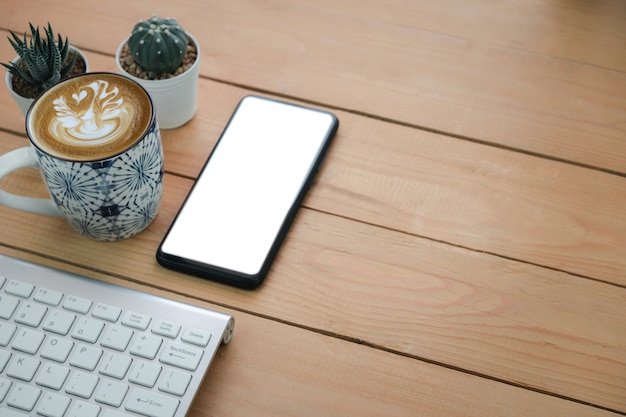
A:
<point x="96" y="114"/>
<point x="90" y="117"/>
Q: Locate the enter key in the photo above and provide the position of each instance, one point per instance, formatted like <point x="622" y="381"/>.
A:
<point x="151" y="404"/>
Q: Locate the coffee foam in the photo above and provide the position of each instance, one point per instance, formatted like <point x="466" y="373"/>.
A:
<point x="90" y="117"/>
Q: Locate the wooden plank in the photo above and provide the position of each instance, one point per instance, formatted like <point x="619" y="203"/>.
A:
<point x="519" y="206"/>
<point x="271" y="369"/>
<point x="564" y="220"/>
<point x="393" y="291"/>
<point x="542" y="328"/>
<point x="462" y="86"/>
<point x="570" y="30"/>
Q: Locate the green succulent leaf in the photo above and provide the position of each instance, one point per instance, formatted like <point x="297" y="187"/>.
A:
<point x="54" y="78"/>
<point x="55" y="61"/>
<point x="18" y="45"/>
<point x="18" y="71"/>
<point x="66" y="70"/>
<point x="42" y="59"/>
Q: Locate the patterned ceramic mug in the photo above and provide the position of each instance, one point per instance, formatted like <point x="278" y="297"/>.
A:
<point x="96" y="142"/>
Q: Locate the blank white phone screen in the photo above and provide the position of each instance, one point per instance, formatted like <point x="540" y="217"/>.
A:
<point x="251" y="181"/>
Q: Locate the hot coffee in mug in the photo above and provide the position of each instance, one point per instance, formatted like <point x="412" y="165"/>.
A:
<point x="94" y="117"/>
<point x="97" y="144"/>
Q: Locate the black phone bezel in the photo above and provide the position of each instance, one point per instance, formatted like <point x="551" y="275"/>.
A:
<point x="232" y="277"/>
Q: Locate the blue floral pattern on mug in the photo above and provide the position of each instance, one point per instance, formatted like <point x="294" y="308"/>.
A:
<point x="111" y="199"/>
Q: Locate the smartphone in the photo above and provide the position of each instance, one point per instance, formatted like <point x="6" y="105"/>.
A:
<point x="237" y="214"/>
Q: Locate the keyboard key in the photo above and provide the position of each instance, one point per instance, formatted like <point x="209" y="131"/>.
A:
<point x="53" y="405"/>
<point x="146" y="345"/>
<point x="23" y="397"/>
<point x="81" y="384"/>
<point x="8" y="305"/>
<point x="77" y="304"/>
<point x="88" y="330"/>
<point x="144" y="373"/>
<point x="52" y="376"/>
<point x="117" y="337"/>
<point x="114" y="413"/>
<point x="28" y="341"/>
<point x="197" y="337"/>
<point x="136" y="320"/>
<point x="50" y="297"/>
<point x="166" y="328"/>
<point x="4" y="359"/>
<point x="148" y="403"/>
<point x="7" y="330"/>
<point x="83" y="409"/>
<point x="182" y="356"/>
<point x="59" y="322"/>
<point x="86" y="357"/>
<point x="111" y="393"/>
<point x="7" y="412"/>
<point x="57" y="349"/>
<point x="31" y="314"/>
<point x="23" y="367"/>
<point x="19" y="288"/>
<point x="175" y="382"/>
<point x="115" y="365"/>
<point x="107" y="312"/>
<point x="5" y="384"/>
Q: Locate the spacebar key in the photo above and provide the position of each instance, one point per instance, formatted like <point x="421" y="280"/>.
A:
<point x="151" y="404"/>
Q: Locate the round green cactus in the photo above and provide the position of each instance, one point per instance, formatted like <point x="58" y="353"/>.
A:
<point x="158" y="45"/>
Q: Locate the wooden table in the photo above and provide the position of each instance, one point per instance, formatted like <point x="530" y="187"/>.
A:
<point x="463" y="252"/>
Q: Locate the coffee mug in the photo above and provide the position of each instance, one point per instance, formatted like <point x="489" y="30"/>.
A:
<point x="96" y="141"/>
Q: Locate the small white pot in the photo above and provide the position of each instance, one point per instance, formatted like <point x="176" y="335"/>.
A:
<point x="175" y="99"/>
<point x="23" y="102"/>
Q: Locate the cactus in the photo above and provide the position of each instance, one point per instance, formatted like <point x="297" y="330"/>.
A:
<point x="158" y="45"/>
<point x="42" y="59"/>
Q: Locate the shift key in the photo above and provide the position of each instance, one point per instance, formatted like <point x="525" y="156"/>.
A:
<point x="151" y="404"/>
<point x="182" y="356"/>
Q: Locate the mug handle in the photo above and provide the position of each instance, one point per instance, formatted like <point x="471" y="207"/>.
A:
<point x="12" y="161"/>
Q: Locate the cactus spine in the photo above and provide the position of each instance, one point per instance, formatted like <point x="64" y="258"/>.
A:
<point x="158" y="45"/>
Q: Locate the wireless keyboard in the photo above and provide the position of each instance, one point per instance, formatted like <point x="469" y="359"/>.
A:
<point x="71" y="346"/>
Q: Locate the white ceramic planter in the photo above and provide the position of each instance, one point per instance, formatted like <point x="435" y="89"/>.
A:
<point x="22" y="102"/>
<point x="175" y="99"/>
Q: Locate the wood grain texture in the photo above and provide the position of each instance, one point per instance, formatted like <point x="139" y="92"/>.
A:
<point x="462" y="250"/>
<point x="392" y="290"/>
<point x="515" y="205"/>
<point x="569" y="29"/>
<point x="555" y="99"/>
<point x="314" y="375"/>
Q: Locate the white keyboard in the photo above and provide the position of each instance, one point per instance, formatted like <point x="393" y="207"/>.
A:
<point x="71" y="346"/>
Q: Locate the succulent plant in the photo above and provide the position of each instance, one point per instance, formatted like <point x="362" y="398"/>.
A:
<point x="42" y="59"/>
<point x="158" y="45"/>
